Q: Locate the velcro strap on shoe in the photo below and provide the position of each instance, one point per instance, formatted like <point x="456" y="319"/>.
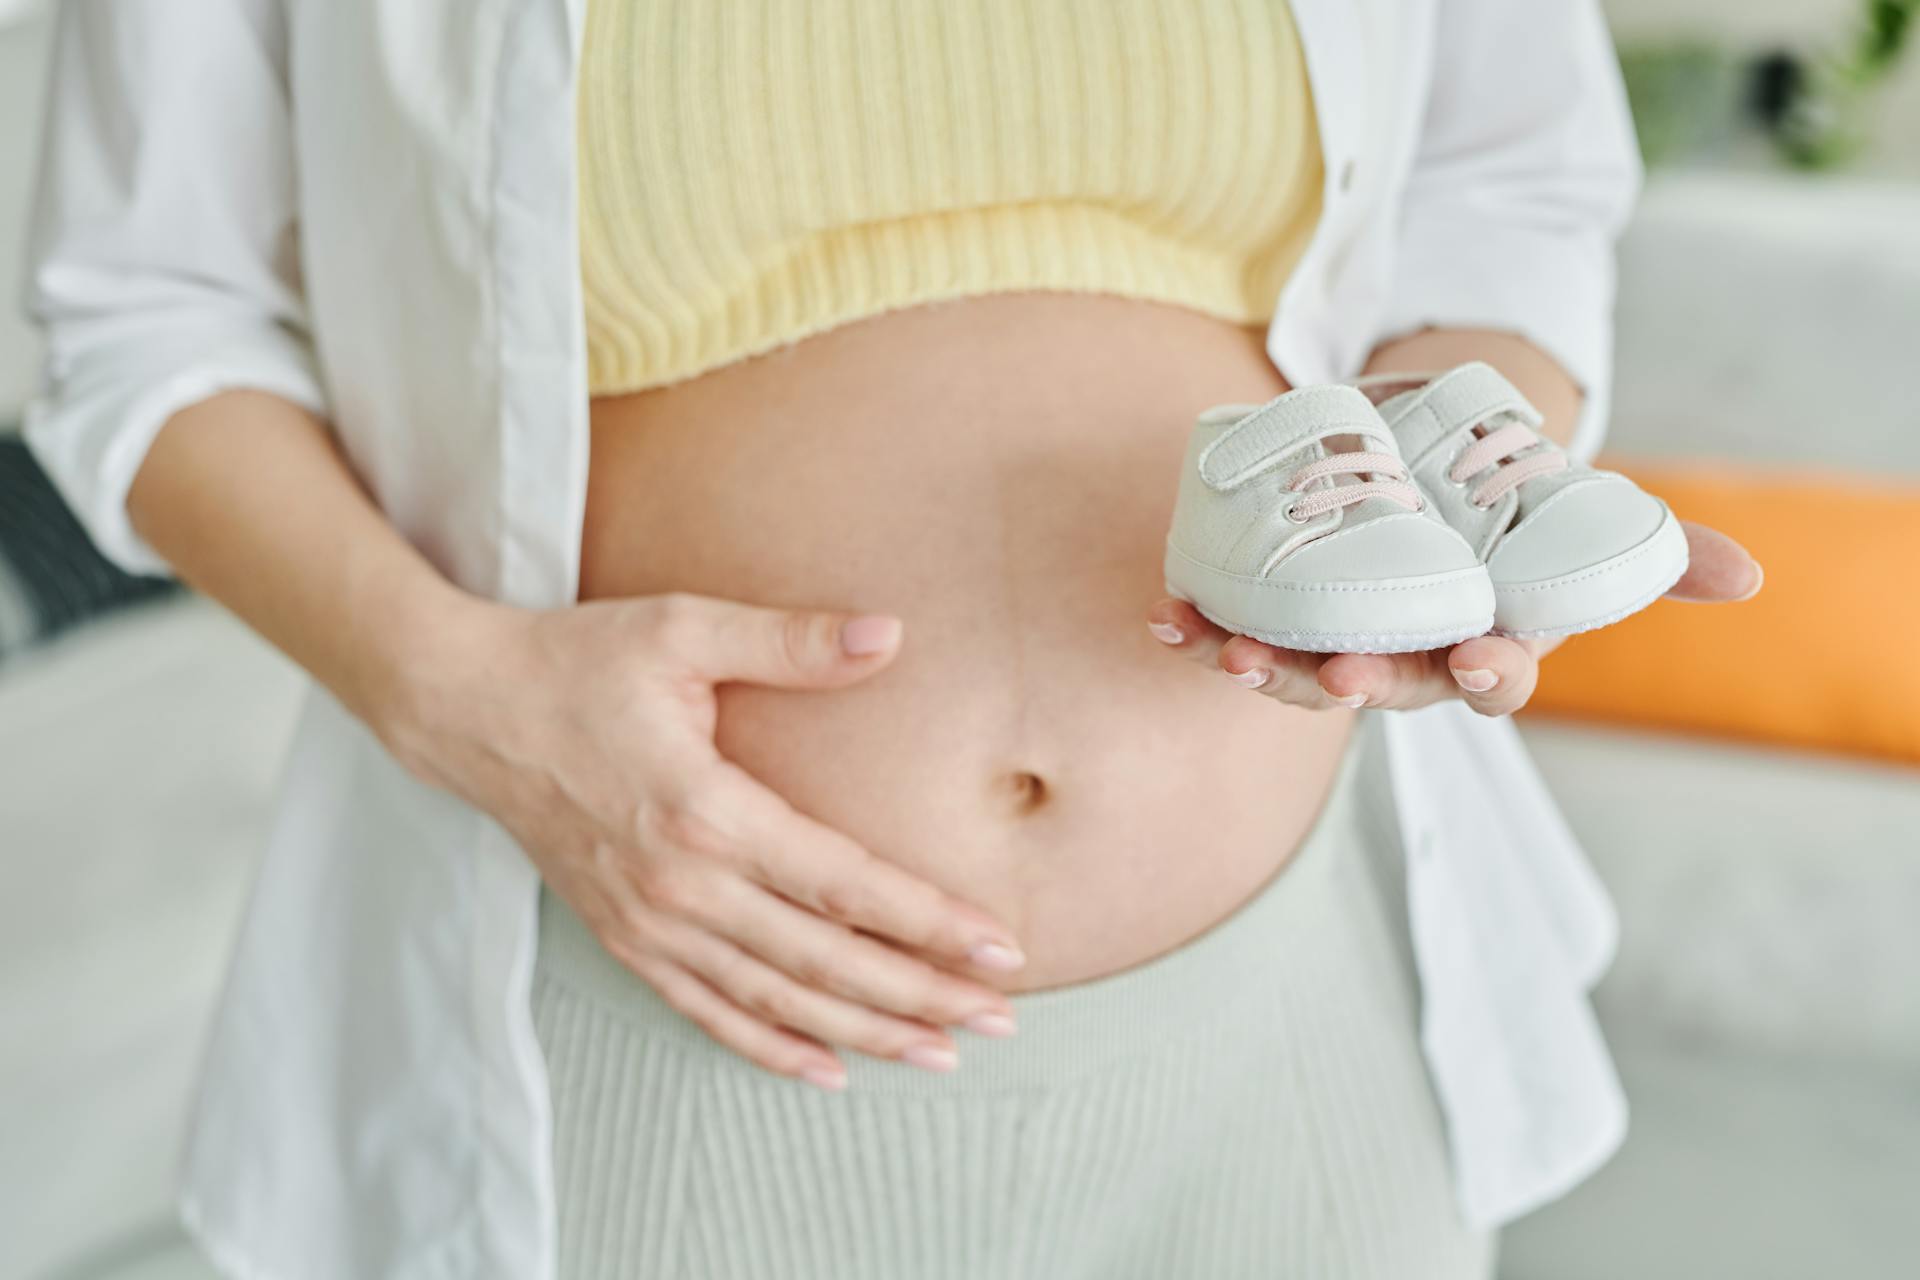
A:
<point x="1473" y="393"/>
<point x="1283" y="425"/>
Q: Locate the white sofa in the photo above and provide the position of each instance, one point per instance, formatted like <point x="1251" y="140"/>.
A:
<point x="1765" y="1008"/>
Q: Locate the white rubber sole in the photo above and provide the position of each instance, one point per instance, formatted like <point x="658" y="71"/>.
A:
<point x="1597" y="596"/>
<point x="1344" y="641"/>
<point x="1404" y="615"/>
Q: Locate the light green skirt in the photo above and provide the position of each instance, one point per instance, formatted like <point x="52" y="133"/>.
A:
<point x="1251" y="1104"/>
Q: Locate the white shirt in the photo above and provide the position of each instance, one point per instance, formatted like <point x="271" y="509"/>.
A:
<point x="369" y="209"/>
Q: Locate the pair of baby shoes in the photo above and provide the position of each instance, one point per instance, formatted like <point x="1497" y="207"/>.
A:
<point x="1407" y="513"/>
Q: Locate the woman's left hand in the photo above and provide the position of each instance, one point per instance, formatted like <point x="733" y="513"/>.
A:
<point x="1492" y="674"/>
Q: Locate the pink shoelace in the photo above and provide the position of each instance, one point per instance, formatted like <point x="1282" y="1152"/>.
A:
<point x="1491" y="449"/>
<point x="1395" y="487"/>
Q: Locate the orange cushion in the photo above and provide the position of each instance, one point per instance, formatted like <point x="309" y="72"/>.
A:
<point x="1826" y="656"/>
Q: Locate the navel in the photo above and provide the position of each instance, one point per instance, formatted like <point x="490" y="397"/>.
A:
<point x="1027" y="790"/>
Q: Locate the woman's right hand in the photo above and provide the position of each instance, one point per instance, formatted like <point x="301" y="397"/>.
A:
<point x="588" y="733"/>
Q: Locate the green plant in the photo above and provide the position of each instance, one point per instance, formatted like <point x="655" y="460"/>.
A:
<point x="1823" y="121"/>
<point x="1682" y="96"/>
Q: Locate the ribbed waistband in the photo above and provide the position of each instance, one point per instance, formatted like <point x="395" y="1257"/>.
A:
<point x="1068" y="1030"/>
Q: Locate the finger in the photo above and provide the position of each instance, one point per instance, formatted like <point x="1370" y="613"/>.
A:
<point x="1387" y="681"/>
<point x="723" y="640"/>
<point x="776" y="1049"/>
<point x="1718" y="568"/>
<point x="830" y="957"/>
<point x="786" y="1000"/>
<point x="773" y="844"/>
<point x="1282" y="674"/>
<point x="1495" y="675"/>
<point x="1285" y="675"/>
<point x="1183" y="628"/>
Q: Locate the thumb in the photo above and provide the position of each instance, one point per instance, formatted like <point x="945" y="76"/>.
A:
<point x="789" y="648"/>
<point x="1718" y="568"/>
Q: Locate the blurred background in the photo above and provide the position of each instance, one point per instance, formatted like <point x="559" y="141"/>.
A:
<point x="1747" y="783"/>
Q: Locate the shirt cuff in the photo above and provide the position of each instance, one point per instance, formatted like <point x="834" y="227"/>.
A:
<point x="1551" y="288"/>
<point x="92" y="430"/>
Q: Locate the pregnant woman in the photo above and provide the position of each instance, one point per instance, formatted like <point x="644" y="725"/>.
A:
<point x="753" y="817"/>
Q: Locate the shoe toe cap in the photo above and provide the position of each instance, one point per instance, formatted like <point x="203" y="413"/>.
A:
<point x="1582" y="526"/>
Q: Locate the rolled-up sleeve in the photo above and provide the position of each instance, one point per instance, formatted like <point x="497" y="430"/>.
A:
<point x="162" y="263"/>
<point x="1525" y="174"/>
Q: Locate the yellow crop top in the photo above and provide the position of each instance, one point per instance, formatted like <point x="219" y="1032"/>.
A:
<point x="755" y="171"/>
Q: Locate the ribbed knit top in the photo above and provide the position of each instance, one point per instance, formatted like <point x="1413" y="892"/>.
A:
<point x="756" y="171"/>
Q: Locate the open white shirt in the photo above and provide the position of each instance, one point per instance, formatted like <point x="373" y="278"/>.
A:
<point x="368" y="208"/>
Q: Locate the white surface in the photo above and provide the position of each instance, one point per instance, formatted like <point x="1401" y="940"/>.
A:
<point x="1764" y="1010"/>
<point x="1775" y="895"/>
<point x="137" y="760"/>
<point x="1770" y="317"/>
<point x="1741" y="1168"/>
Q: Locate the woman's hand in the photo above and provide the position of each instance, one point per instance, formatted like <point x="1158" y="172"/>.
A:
<point x="588" y="732"/>
<point x="1492" y="674"/>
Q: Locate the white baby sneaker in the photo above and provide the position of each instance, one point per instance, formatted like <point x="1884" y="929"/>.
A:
<point x="1285" y="532"/>
<point x="1568" y="548"/>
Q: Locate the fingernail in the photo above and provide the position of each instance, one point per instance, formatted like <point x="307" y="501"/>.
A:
<point x="1477" y="680"/>
<point x="1759" y="580"/>
<point x="991" y="1024"/>
<point x="1250" y="679"/>
<point x="832" y="1079"/>
<point x="1355" y="700"/>
<point x="869" y="633"/>
<point x="931" y="1057"/>
<point x="994" y="955"/>
<point x="1166" y="632"/>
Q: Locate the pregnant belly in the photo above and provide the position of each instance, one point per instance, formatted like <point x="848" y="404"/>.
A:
<point x="998" y="473"/>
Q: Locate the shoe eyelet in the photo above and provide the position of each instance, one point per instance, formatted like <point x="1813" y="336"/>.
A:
<point x="1453" y="465"/>
<point x="1287" y="513"/>
<point x="1479" y="506"/>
